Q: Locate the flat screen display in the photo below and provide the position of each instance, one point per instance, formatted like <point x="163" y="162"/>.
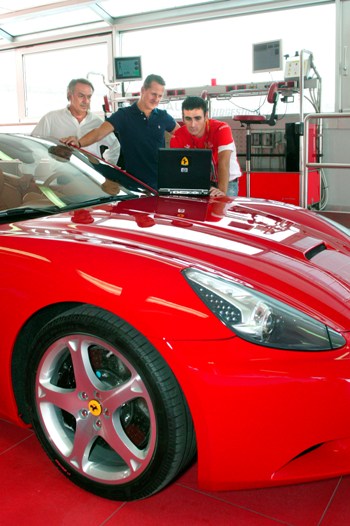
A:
<point x="267" y="56"/>
<point x="127" y="68"/>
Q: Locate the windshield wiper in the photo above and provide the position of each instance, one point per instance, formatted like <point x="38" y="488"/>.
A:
<point x="27" y="210"/>
<point x="98" y="201"/>
<point x="31" y="210"/>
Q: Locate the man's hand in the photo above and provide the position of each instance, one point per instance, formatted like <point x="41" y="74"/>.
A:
<point x="215" y="192"/>
<point x="71" y="141"/>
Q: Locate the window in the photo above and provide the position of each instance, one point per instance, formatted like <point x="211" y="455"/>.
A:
<point x="45" y="71"/>
<point x="8" y="87"/>
<point x="222" y="49"/>
<point x="48" y="73"/>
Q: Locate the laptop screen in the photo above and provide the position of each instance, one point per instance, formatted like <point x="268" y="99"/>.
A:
<point x="184" y="171"/>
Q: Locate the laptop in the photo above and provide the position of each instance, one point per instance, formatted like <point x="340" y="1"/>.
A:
<point x="184" y="171"/>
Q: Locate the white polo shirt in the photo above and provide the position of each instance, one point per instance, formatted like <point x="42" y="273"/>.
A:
<point x="61" y="123"/>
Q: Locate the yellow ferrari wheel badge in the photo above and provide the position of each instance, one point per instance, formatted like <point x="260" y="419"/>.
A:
<point x="185" y="161"/>
<point x="95" y="407"/>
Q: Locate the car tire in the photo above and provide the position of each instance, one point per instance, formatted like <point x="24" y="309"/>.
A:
<point x="106" y="407"/>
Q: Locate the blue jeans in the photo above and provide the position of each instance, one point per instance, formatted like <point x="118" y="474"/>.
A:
<point x="232" y="189"/>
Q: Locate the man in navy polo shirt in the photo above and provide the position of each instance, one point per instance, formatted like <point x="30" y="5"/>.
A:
<point x="140" y="129"/>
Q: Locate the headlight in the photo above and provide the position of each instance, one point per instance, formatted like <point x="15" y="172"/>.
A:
<point x="259" y="318"/>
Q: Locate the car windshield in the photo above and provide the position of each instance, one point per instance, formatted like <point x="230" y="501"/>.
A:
<point x="42" y="175"/>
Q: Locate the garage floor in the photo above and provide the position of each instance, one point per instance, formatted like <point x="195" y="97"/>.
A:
<point x="36" y="494"/>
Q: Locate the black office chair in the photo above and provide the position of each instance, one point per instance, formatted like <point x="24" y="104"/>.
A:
<point x="249" y="120"/>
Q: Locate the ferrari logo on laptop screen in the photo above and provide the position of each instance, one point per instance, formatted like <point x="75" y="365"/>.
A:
<point x="183" y="171"/>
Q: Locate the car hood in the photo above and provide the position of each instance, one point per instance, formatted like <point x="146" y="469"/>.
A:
<point x="281" y="250"/>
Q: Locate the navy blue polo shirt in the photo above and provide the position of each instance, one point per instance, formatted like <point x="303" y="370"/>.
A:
<point x="140" y="138"/>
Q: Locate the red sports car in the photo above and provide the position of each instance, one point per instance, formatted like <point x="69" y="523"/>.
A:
<point x="138" y="331"/>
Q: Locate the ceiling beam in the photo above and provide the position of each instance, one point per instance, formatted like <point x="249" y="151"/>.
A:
<point x="6" y="36"/>
<point x="102" y="13"/>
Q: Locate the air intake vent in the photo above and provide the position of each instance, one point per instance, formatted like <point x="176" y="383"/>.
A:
<point x="314" y="251"/>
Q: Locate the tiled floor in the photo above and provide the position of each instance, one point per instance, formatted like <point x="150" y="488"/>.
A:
<point x="34" y="493"/>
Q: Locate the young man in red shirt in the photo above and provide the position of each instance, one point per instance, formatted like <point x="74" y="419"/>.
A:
<point x="201" y="132"/>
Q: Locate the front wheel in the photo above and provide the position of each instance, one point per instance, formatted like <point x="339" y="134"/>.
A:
<point x="106" y="407"/>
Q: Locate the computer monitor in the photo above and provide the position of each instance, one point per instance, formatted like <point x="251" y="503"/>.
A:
<point x="267" y="56"/>
<point x="127" y="68"/>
